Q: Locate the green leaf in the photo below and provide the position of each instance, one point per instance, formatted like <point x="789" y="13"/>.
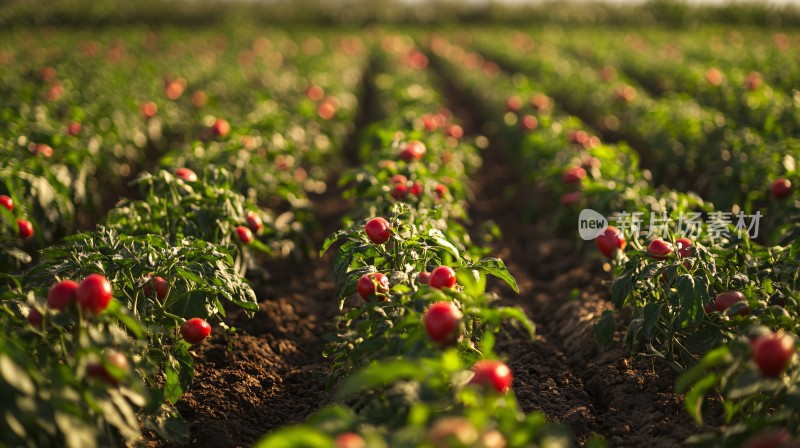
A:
<point x="717" y="357"/>
<point x="293" y="437"/>
<point x="621" y="289"/>
<point x="496" y="267"/>
<point x="688" y="299"/>
<point x="473" y="282"/>
<point x="508" y="312"/>
<point x="695" y="398"/>
<point x="332" y="238"/>
<point x="604" y="330"/>
<point x="378" y="375"/>
<point x="172" y="383"/>
<point x="651" y="315"/>
<point x="440" y="239"/>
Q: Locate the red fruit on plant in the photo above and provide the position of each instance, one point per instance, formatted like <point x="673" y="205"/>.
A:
<point x="781" y="188"/>
<point x="573" y="174"/>
<point x="254" y="222"/>
<point x="244" y="234"/>
<point x="34" y="317"/>
<point x="492" y="374"/>
<point x="579" y="137"/>
<point x="117" y="360"/>
<point x="378" y="230"/>
<point x="7" y="202"/>
<point x="442" y="277"/>
<point x="315" y="93"/>
<point x="514" y="103"/>
<point x="455" y="131"/>
<point x="424" y="277"/>
<point x="416" y="189"/>
<point x="771" y="438"/>
<point x="94" y="294"/>
<point x="714" y="76"/>
<point x="659" y="249"/>
<point x="707" y="308"/>
<point x="440" y="190"/>
<point x="175" y="89"/>
<point x="400" y="191"/>
<point x="399" y="179"/>
<point x="73" y="128"/>
<point x="149" y="109"/>
<point x="610" y="240"/>
<point x="41" y="149"/>
<point x="441" y="322"/>
<point x="186" y="174"/>
<point x="25" y="228"/>
<point x="413" y="150"/>
<point x="61" y="295"/>
<point x="349" y="440"/>
<point x="326" y="110"/>
<point x="684" y="247"/>
<point x="159" y="284"/>
<point x="529" y="123"/>
<point x="753" y="81"/>
<point x="724" y="300"/>
<point x="221" y="127"/>
<point x="773" y="353"/>
<point x="372" y="284"/>
<point x="195" y="330"/>
<point x="199" y="98"/>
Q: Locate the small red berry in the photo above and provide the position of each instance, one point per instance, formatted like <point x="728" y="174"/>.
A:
<point x="34" y="317"/>
<point x="492" y="374"/>
<point x="781" y="188"/>
<point x="25" y="228"/>
<point x="610" y="240"/>
<point x="684" y="247"/>
<point x="61" y="295"/>
<point x="442" y="277"/>
<point x="186" y="174"/>
<point x="773" y="353"/>
<point x="413" y="150"/>
<point x="378" y="230"/>
<point x="441" y="322"/>
<point x="573" y="175"/>
<point x="245" y="234"/>
<point x="195" y="330"/>
<point x="399" y="191"/>
<point x="254" y="222"/>
<point x="7" y="202"/>
<point x="659" y="249"/>
<point x="94" y="294"/>
<point x="370" y="285"/>
<point x="724" y="300"/>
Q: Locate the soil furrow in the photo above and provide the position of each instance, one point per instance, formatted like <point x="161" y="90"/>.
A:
<point x="627" y="401"/>
<point x="271" y="372"/>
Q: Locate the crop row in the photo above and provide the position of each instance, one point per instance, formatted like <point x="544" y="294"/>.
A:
<point x="413" y="359"/>
<point x="706" y="298"/>
<point x="96" y="335"/>
<point x="681" y="143"/>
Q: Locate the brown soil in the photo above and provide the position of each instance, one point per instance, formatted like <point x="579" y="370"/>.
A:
<point x="271" y="372"/>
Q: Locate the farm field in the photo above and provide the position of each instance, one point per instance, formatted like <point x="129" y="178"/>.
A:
<point x="393" y="237"/>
